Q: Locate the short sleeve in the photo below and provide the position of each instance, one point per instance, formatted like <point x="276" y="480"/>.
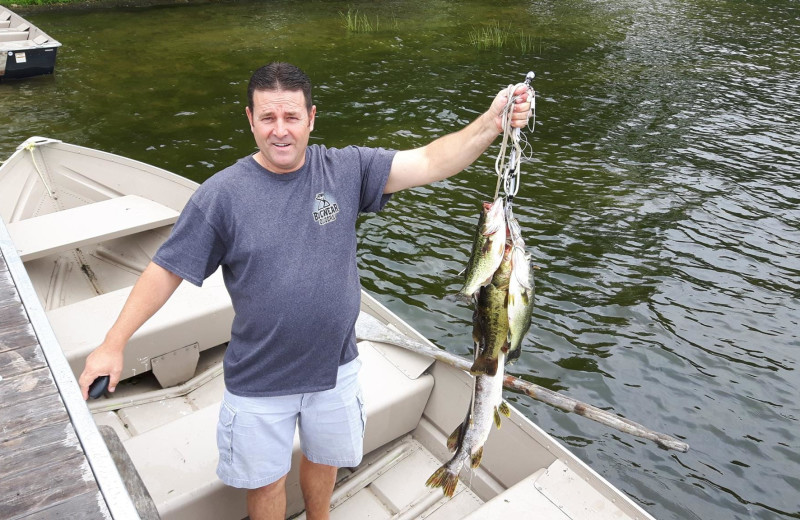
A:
<point x="193" y="250"/>
<point x="376" y="163"/>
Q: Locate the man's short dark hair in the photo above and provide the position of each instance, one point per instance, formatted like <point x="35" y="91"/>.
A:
<point x="279" y="76"/>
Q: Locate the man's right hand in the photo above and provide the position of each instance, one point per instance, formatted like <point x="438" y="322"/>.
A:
<point x="105" y="360"/>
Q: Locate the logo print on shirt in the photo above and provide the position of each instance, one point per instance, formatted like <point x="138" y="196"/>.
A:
<point x="326" y="209"/>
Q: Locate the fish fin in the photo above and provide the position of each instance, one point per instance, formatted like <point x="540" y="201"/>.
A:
<point x="460" y="297"/>
<point x="507" y="343"/>
<point x="477" y="333"/>
<point x="455" y="438"/>
<point x="489" y="230"/>
<point x="505" y="409"/>
<point x="484" y="365"/>
<point x="476" y="458"/>
<point x="497" y="421"/>
<point x="444" y="479"/>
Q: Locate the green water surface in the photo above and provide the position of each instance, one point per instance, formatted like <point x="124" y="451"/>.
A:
<point x="660" y="200"/>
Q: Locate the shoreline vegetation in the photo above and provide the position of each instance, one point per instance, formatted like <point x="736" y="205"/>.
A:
<point x="23" y="6"/>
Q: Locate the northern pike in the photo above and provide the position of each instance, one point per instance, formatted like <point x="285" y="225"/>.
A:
<point x="520" y="300"/>
<point x="490" y="330"/>
<point x="469" y="437"/>
<point x="487" y="247"/>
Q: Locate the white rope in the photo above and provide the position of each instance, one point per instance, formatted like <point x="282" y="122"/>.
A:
<point x="509" y="159"/>
<point x="30" y="147"/>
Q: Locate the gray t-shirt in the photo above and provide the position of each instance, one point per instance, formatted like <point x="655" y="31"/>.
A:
<point x="287" y="247"/>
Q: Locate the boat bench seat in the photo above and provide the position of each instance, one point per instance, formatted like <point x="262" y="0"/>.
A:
<point x="190" y="489"/>
<point x="554" y="493"/>
<point x="44" y="235"/>
<point x="17" y="45"/>
<point x="12" y="36"/>
<point x="201" y="315"/>
<point x="5" y="24"/>
<point x="23" y="27"/>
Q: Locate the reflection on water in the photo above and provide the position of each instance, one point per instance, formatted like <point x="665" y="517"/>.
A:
<point x="661" y="203"/>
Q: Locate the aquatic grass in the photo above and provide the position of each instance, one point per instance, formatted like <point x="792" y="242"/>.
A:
<point x="527" y="43"/>
<point x="357" y="22"/>
<point x="492" y="37"/>
<point x="495" y="36"/>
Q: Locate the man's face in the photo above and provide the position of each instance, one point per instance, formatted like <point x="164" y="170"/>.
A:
<point x="281" y="127"/>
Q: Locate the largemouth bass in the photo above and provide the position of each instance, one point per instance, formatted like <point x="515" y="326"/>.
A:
<point x="487" y="248"/>
<point x="490" y="330"/>
<point x="520" y="300"/>
<point x="469" y="437"/>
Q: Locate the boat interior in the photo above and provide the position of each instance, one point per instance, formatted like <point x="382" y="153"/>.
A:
<point x="86" y="232"/>
<point x="17" y="34"/>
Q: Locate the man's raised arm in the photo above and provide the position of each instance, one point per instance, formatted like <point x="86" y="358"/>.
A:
<point x="451" y="153"/>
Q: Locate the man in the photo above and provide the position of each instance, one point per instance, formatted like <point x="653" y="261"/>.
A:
<point x="281" y="223"/>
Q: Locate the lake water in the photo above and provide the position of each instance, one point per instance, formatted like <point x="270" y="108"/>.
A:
<point x="660" y="202"/>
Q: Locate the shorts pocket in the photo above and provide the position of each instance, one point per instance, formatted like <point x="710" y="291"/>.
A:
<point x="360" y="398"/>
<point x="225" y="432"/>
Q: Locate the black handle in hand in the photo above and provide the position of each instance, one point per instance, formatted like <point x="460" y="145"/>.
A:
<point x="98" y="387"/>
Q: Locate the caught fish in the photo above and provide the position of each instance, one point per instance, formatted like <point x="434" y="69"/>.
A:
<point x="469" y="437"/>
<point x="520" y="300"/>
<point x="487" y="248"/>
<point x="490" y="330"/>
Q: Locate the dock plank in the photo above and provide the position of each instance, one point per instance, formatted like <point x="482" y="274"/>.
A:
<point x="46" y="486"/>
<point x="15" y="336"/>
<point x="21" y="418"/>
<point x="88" y="505"/>
<point x="54" y="443"/>
<point x="21" y="360"/>
<point x="26" y="387"/>
<point x="12" y="314"/>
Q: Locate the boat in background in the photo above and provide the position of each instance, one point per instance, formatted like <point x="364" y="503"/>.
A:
<point x="25" y="50"/>
<point x="86" y="223"/>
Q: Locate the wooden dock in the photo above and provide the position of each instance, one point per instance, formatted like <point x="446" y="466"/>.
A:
<point x="44" y="472"/>
<point x="53" y="461"/>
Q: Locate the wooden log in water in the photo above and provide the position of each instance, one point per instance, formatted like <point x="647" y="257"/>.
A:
<point x="370" y="329"/>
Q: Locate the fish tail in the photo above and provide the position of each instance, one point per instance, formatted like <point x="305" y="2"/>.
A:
<point x="445" y="479"/>
<point x="484" y="365"/>
<point x="505" y="409"/>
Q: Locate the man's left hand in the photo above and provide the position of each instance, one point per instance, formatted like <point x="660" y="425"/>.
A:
<point x="521" y="111"/>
